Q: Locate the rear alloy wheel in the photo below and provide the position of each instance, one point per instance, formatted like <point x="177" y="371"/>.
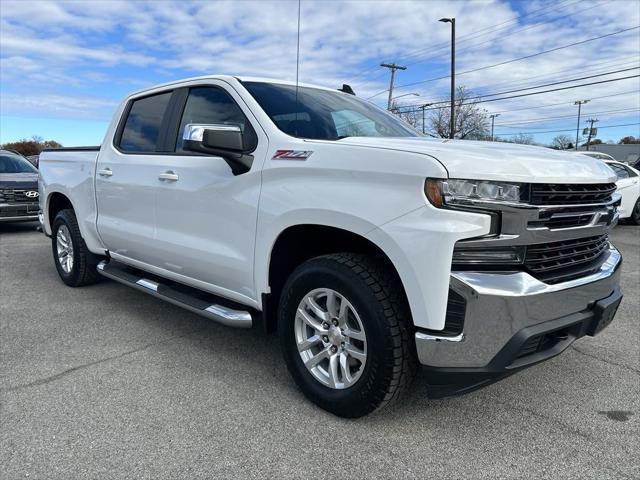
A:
<point x="64" y="247"/>
<point x="346" y="336"/>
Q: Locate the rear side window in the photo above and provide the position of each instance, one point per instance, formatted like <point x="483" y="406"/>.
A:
<point x="210" y="106"/>
<point x="141" y="130"/>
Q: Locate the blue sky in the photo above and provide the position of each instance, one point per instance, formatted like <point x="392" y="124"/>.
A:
<point x="65" y="65"/>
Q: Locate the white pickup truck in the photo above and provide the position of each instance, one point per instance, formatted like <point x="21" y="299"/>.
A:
<point x="368" y="247"/>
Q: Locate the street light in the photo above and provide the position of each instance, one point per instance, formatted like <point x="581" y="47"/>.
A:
<point x="452" y="21"/>
<point x="579" y="103"/>
<point x="422" y="107"/>
<point x="393" y="108"/>
<point x="493" y="117"/>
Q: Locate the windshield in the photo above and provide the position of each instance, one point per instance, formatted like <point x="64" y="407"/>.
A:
<point x="324" y="114"/>
<point x="12" y="163"/>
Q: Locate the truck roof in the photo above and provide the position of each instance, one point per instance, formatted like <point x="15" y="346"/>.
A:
<point x="232" y="78"/>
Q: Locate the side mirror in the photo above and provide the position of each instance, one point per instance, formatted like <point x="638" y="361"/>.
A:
<point x="226" y="141"/>
<point x="205" y="138"/>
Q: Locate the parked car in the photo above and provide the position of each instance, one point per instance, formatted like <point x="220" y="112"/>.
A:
<point x="628" y="184"/>
<point x="368" y="247"/>
<point x="18" y="188"/>
<point x="598" y="155"/>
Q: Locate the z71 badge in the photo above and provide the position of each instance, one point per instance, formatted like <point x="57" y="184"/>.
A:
<point x="291" y="154"/>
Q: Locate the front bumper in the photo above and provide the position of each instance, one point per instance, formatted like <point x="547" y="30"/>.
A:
<point x="506" y="314"/>
<point x="21" y="212"/>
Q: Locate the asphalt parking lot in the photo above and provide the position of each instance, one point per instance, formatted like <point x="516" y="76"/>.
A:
<point x="107" y="382"/>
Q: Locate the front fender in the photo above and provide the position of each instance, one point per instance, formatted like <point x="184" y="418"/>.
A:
<point x="271" y="231"/>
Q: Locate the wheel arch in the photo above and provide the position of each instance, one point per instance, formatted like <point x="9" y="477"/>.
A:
<point x="300" y="242"/>
<point x="56" y="201"/>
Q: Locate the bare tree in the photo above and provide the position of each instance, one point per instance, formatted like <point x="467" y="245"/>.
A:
<point x="523" y="138"/>
<point x="471" y="120"/>
<point x="562" y="142"/>
<point x="412" y="117"/>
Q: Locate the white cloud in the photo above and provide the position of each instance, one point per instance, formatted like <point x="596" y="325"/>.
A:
<point x="95" y="51"/>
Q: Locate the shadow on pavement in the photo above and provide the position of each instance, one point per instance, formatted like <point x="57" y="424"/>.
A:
<point x="18" y="227"/>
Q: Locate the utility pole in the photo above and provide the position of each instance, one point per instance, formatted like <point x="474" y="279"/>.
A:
<point x="579" y="103"/>
<point x="493" y="117"/>
<point x="393" y="67"/>
<point x="591" y="121"/>
<point x="422" y="107"/>
<point x="452" y="21"/>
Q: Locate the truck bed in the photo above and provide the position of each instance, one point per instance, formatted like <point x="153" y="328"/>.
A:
<point x="70" y="171"/>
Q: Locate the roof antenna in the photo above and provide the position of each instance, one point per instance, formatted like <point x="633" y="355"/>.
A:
<point x="297" y="69"/>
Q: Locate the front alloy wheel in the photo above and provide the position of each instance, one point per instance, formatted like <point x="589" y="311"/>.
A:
<point x="331" y="338"/>
<point x="345" y="331"/>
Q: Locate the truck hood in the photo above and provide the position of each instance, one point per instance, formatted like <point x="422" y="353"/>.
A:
<point x="19" y="181"/>
<point x="498" y="161"/>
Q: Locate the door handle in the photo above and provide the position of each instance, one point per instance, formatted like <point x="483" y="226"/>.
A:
<point x="169" y="176"/>
<point x="105" y="172"/>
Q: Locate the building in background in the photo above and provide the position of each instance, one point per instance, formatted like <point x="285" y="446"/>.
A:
<point x="628" y="153"/>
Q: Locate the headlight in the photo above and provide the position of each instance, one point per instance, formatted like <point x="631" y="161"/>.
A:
<point x="442" y="192"/>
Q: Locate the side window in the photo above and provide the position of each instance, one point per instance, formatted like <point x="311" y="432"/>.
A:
<point x="211" y="105"/>
<point x="621" y="172"/>
<point x="142" y="128"/>
<point x="630" y="172"/>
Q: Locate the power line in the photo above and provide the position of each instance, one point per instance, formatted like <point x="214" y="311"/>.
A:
<point x="567" y="130"/>
<point x="568" y="71"/>
<point x="546" y="84"/>
<point x="536" y="93"/>
<point x="514" y="59"/>
<point x="473" y="35"/>
<point x="470" y="36"/>
<point x="504" y="35"/>
<point x="566" y="103"/>
<point x="516" y="124"/>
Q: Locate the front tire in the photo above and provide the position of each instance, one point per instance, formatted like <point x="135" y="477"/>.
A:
<point x="76" y="265"/>
<point x="345" y="331"/>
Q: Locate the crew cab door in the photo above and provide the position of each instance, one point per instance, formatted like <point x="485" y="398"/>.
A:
<point x="127" y="179"/>
<point x="206" y="214"/>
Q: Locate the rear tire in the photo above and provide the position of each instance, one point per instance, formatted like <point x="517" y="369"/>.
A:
<point x="377" y="305"/>
<point x="634" y="219"/>
<point x="76" y="265"/>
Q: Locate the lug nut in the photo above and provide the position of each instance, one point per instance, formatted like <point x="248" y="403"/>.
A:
<point x="325" y="325"/>
<point x="325" y="338"/>
<point x="335" y="322"/>
<point x="334" y="349"/>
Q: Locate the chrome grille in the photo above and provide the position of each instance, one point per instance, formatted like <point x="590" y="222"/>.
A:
<point x="561" y="261"/>
<point x="571" y="194"/>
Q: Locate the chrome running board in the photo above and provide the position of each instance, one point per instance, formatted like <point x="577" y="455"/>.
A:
<point x="194" y="300"/>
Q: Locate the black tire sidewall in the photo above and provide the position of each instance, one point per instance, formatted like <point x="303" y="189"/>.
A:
<point x="66" y="218"/>
<point x="635" y="213"/>
<point x="370" y="389"/>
